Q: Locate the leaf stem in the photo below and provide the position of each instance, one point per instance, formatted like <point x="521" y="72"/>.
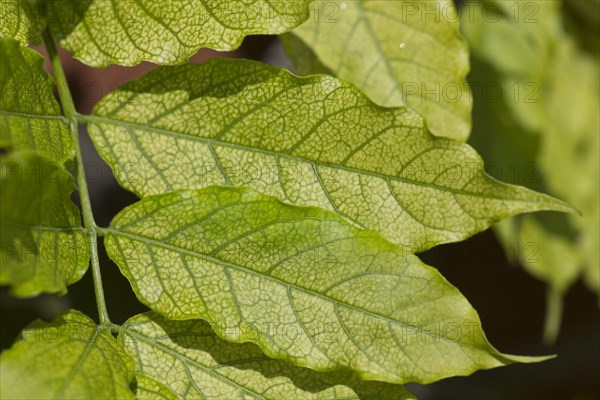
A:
<point x="84" y="196"/>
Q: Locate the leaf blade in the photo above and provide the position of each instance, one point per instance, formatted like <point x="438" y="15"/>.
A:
<point x="320" y="142"/>
<point x="164" y="32"/>
<point x="245" y="261"/>
<point x="398" y="52"/>
<point x="21" y="20"/>
<point x="57" y="360"/>
<point x="150" y="389"/>
<point x="214" y="368"/>
<point x="30" y="116"/>
<point x="44" y="247"/>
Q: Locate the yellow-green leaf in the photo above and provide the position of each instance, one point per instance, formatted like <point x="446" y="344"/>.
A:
<point x="22" y="20"/>
<point x="30" y="117"/>
<point x="301" y="283"/>
<point x="397" y="51"/>
<point x="44" y="248"/>
<point x="126" y="32"/>
<point x="546" y="142"/>
<point x="544" y="133"/>
<point x="148" y="388"/>
<point x="187" y="360"/>
<point x="69" y="358"/>
<point x="314" y="141"/>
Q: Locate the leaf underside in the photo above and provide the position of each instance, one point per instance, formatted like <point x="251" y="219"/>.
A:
<point x="306" y="285"/>
<point x="398" y="52"/>
<point x="69" y="358"/>
<point x="260" y="270"/>
<point x="30" y="116"/>
<point x="314" y="141"/>
<point x="186" y="360"/>
<point x="44" y="247"/>
<point x="126" y="32"/>
<point x="21" y="20"/>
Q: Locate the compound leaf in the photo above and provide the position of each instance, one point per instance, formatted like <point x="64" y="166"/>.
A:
<point x="258" y="269"/>
<point x="22" y="20"/>
<point x="398" y="52"/>
<point x="544" y="142"/>
<point x="165" y="32"/>
<point x="44" y="247"/>
<point x="69" y="358"/>
<point x="314" y="141"/>
<point x="30" y="116"/>
<point x="167" y="351"/>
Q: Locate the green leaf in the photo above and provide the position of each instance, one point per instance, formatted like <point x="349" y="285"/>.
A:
<point x="399" y="52"/>
<point x="201" y="365"/>
<point x="301" y="283"/>
<point x="570" y="155"/>
<point x="314" y="141"/>
<point x="149" y="389"/>
<point x="22" y="20"/>
<point x="30" y="117"/>
<point x="519" y="45"/>
<point x="543" y="247"/>
<point x="69" y="358"/>
<point x="126" y="32"/>
<point x="539" y="138"/>
<point x="44" y="248"/>
<point x="561" y="153"/>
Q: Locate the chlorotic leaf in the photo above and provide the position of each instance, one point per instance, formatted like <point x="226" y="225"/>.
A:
<point x="30" y="117"/>
<point x="22" y="20"/>
<point x="398" y="52"/>
<point x="258" y="269"/>
<point x="165" y="32"/>
<point x="69" y="358"/>
<point x="186" y="359"/>
<point x="44" y="248"/>
<point x="314" y="141"/>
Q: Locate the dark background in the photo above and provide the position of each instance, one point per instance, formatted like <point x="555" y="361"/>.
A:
<point x="510" y="302"/>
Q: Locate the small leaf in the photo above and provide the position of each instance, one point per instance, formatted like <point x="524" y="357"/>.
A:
<point x="314" y="141"/>
<point x="69" y="358"/>
<point x="22" y="20"/>
<point x="30" y="117"/>
<point x="200" y="364"/>
<point x="301" y="283"/>
<point x="44" y="248"/>
<point x="126" y="32"/>
<point x="399" y="52"/>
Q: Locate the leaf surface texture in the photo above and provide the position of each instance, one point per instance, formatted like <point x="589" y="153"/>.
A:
<point x="258" y="269"/>
<point x="30" y="116"/>
<point x="213" y="369"/>
<point x="126" y="32"/>
<point x="69" y="358"/>
<point x="398" y="52"/>
<point x="314" y="141"/>
<point x="44" y="247"/>
<point x="22" y="20"/>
